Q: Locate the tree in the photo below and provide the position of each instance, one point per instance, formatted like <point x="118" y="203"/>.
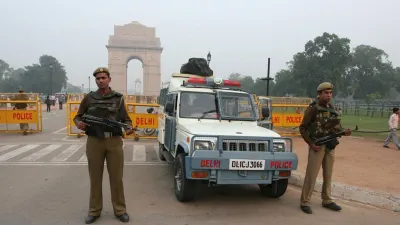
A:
<point x="73" y="89"/>
<point x="41" y="78"/>
<point x="5" y="70"/>
<point x="258" y="87"/>
<point x="371" y="72"/>
<point x="324" y="59"/>
<point x="396" y="79"/>
<point x="287" y="85"/>
<point x="246" y="82"/>
<point x="38" y="78"/>
<point x="365" y="73"/>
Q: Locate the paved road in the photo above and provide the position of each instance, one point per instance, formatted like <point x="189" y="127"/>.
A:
<point x="44" y="180"/>
<point x="64" y="153"/>
<point x="53" y="146"/>
<point x="55" y="195"/>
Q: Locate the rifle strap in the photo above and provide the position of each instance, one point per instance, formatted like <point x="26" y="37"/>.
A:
<point x="120" y="102"/>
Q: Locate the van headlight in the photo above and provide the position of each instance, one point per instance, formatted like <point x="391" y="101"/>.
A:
<point x="279" y="147"/>
<point x="205" y="143"/>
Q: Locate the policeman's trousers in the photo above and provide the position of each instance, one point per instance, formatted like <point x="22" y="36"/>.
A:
<point x="111" y="150"/>
<point x="315" y="160"/>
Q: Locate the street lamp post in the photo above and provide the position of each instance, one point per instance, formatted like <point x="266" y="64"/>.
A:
<point x="208" y="58"/>
<point x="89" y="84"/>
<point x="268" y="79"/>
<point x="51" y="78"/>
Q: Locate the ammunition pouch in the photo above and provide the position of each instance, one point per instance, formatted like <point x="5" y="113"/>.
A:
<point x="96" y="131"/>
<point x="331" y="145"/>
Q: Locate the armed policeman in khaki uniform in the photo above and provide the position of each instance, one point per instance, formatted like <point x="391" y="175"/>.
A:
<point x="104" y="103"/>
<point x="320" y="120"/>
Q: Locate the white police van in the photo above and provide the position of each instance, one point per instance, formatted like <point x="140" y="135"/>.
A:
<point x="208" y="130"/>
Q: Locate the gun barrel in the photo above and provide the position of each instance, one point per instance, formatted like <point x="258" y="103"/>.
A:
<point x="105" y="122"/>
<point x="328" y="138"/>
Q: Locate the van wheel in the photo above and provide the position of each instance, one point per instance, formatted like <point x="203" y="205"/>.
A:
<point x="184" y="188"/>
<point x="274" y="190"/>
<point x="161" y="149"/>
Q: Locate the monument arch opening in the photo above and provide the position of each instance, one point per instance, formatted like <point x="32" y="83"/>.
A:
<point x="135" y="41"/>
<point x="135" y="76"/>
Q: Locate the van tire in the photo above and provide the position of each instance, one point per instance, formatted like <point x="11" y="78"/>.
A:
<point x="274" y="190"/>
<point x="184" y="188"/>
<point x="161" y="149"/>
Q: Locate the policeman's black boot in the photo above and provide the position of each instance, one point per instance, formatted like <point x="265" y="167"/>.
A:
<point x="124" y="217"/>
<point x="332" y="206"/>
<point x="91" y="219"/>
<point x="306" y="209"/>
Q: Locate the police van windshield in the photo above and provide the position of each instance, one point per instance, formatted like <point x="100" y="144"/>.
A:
<point x="198" y="105"/>
<point x="236" y="106"/>
<point x="232" y="106"/>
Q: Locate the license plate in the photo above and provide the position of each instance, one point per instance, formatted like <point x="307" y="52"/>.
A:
<point x="246" y="164"/>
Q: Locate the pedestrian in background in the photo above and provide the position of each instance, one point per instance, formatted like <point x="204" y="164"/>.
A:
<point x="393" y="124"/>
<point x="48" y="104"/>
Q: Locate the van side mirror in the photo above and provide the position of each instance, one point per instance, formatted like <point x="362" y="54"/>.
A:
<point x="265" y="112"/>
<point x="169" y="108"/>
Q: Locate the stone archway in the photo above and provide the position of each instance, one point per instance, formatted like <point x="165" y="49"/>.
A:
<point x="135" y="41"/>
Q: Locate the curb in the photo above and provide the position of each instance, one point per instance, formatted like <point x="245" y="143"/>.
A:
<point x="353" y="193"/>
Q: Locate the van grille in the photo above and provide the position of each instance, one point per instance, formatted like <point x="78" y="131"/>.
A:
<point x="245" y="145"/>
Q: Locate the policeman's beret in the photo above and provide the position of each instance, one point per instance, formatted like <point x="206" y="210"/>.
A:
<point x="101" y="70"/>
<point x="324" y="86"/>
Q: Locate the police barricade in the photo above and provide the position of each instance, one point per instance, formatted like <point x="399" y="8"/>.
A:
<point x="143" y="111"/>
<point x="21" y="111"/>
<point x="145" y="118"/>
<point x="72" y="106"/>
<point x="141" y="99"/>
<point x="287" y="114"/>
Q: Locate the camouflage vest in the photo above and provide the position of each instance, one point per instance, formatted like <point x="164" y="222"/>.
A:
<point x="106" y="106"/>
<point x="326" y="121"/>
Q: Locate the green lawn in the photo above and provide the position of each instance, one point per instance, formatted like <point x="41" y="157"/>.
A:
<point x="361" y="118"/>
<point x="366" y="124"/>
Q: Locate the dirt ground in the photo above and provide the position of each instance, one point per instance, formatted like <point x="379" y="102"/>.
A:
<point x="360" y="162"/>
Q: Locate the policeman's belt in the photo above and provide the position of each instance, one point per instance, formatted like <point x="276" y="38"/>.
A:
<point x="111" y="134"/>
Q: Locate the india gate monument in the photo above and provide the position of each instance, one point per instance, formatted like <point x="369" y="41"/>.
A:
<point x="135" y="41"/>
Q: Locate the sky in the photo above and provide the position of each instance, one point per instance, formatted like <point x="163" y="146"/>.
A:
<point x="241" y="35"/>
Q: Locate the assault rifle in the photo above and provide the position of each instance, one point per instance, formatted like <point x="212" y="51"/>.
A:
<point x="88" y="119"/>
<point x="326" y="139"/>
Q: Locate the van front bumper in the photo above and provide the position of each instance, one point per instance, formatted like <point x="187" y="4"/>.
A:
<point x="240" y="167"/>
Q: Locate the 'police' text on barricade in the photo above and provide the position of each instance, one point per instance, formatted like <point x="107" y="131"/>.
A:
<point x="20" y="112"/>
<point x="287" y="112"/>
